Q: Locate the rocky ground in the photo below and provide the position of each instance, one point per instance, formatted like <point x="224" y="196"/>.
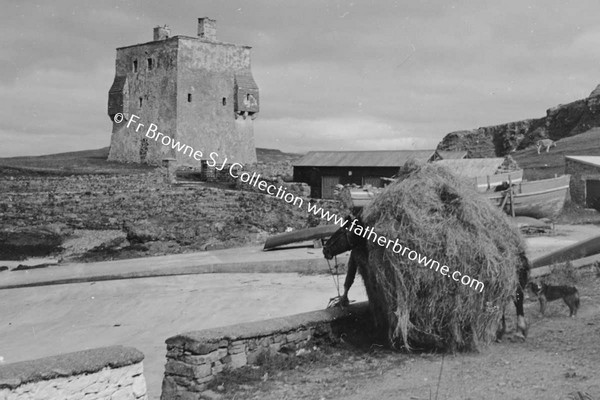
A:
<point x="93" y="218"/>
<point x="241" y="223"/>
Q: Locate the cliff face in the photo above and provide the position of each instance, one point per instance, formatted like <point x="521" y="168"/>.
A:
<point x="499" y="140"/>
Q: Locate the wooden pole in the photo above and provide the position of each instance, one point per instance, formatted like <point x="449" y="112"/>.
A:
<point x="512" y="207"/>
<point x="503" y="204"/>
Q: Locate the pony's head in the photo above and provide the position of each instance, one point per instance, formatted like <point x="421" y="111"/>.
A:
<point x="343" y="239"/>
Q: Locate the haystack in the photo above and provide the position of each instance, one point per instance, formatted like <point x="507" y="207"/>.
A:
<point x="440" y="216"/>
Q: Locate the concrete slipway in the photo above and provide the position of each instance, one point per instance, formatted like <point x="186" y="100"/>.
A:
<point x="240" y="260"/>
<point x="237" y="260"/>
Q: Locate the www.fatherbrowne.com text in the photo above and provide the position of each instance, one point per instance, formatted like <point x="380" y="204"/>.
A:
<point x="279" y="192"/>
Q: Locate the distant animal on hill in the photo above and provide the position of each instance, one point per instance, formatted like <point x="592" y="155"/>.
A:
<point x="546" y="293"/>
<point x="547" y="143"/>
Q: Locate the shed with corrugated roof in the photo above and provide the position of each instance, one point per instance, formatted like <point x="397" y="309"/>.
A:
<point x="324" y="170"/>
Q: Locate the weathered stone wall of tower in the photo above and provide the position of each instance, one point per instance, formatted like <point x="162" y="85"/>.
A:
<point x="149" y="73"/>
<point x="196" y="90"/>
<point x="206" y="117"/>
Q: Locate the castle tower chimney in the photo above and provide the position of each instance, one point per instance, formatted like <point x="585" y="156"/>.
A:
<point x="207" y="29"/>
<point x="161" y="33"/>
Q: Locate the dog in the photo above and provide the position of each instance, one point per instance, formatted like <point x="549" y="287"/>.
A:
<point x="546" y="293"/>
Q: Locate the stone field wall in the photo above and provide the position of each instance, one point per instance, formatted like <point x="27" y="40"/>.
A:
<point x="149" y="205"/>
<point x="105" y="373"/>
<point x="194" y="359"/>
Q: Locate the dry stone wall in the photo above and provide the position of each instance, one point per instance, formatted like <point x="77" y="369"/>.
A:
<point x="194" y="359"/>
<point x="187" y="214"/>
<point x="104" y="373"/>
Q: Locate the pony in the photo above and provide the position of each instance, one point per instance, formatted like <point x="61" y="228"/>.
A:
<point x="547" y="143"/>
<point x="341" y="241"/>
<point x="346" y="240"/>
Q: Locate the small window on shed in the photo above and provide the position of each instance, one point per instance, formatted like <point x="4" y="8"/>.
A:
<point x="224" y="101"/>
<point x="134" y="65"/>
<point x="189" y="97"/>
<point x="141" y="102"/>
<point x="149" y="64"/>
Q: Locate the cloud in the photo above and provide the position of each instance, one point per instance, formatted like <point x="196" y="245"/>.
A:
<point x="56" y="109"/>
<point x="299" y="135"/>
<point x="361" y="74"/>
<point x="13" y="143"/>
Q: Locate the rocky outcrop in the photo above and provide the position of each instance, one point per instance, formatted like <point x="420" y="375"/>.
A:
<point x="595" y="92"/>
<point x="143" y="231"/>
<point x="19" y="243"/>
<point x="499" y="140"/>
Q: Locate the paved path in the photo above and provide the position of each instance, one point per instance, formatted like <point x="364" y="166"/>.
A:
<point x="244" y="259"/>
<point x="41" y="321"/>
<point x="237" y="260"/>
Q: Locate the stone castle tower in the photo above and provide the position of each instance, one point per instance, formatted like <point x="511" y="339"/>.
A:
<point x="197" y="90"/>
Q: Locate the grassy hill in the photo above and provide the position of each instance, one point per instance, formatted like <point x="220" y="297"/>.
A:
<point x="71" y="163"/>
<point x="273" y="155"/>
<point x="547" y="165"/>
<point x="94" y="162"/>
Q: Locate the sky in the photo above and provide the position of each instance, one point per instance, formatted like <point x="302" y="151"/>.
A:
<point x="333" y="75"/>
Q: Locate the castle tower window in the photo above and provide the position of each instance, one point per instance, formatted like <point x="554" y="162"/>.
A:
<point x="189" y="97"/>
<point x="149" y="64"/>
<point x="224" y="101"/>
<point x="140" y="102"/>
<point x="134" y="65"/>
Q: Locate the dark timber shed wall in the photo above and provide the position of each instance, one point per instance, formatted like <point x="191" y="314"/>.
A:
<point x="313" y="175"/>
<point x="322" y="170"/>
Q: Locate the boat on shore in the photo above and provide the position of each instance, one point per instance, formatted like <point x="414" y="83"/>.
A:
<point x="538" y="199"/>
<point x="486" y="174"/>
<point x="544" y="198"/>
<point x="302" y="235"/>
<point x="491" y="182"/>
